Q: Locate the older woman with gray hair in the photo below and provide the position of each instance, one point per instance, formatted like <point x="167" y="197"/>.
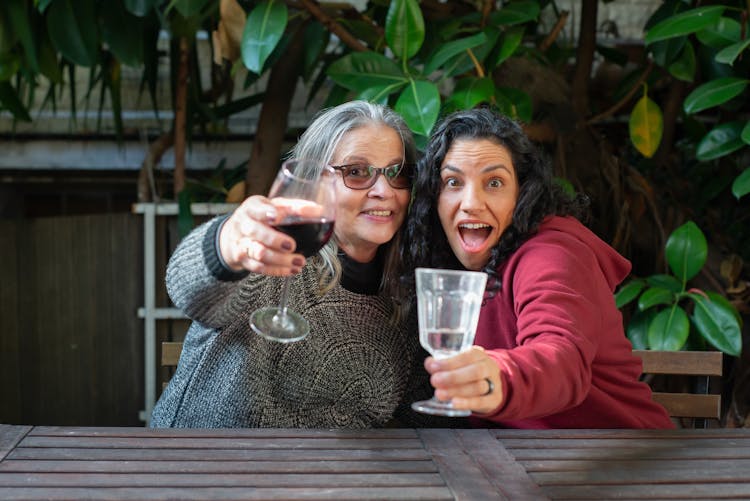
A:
<point x="355" y="368"/>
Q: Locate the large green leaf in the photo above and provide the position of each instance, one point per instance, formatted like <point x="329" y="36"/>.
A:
<point x="655" y="296"/>
<point x="188" y="8"/>
<point x="510" y="42"/>
<point x="419" y="104"/>
<point x="741" y="185"/>
<point x="9" y="65"/>
<point x="637" y="329"/>
<point x="360" y="70"/>
<point x="646" y="126"/>
<point x="123" y="33"/>
<point x="725" y="31"/>
<point x="686" y="251"/>
<point x="21" y="24"/>
<point x="665" y="282"/>
<point x="515" y="13"/>
<point x="714" y="93"/>
<point x="264" y="28"/>
<point x="404" y="28"/>
<point x="514" y="102"/>
<point x="471" y="91"/>
<point x="316" y="39"/>
<point x="9" y="100"/>
<point x="140" y="7"/>
<point x="669" y="329"/>
<point x="729" y="54"/>
<point x="745" y="134"/>
<point x="447" y="50"/>
<point x="717" y="322"/>
<point x="720" y="141"/>
<point x="684" y="23"/>
<point x="683" y="68"/>
<point x="628" y="292"/>
<point x="49" y="64"/>
<point x="379" y="94"/>
<point x="73" y="30"/>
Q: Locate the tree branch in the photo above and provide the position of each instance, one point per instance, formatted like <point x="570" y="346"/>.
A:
<point x="622" y="102"/>
<point x="552" y="36"/>
<point x="584" y="57"/>
<point x="334" y="27"/>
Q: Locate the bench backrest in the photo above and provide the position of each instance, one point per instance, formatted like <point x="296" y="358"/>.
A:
<point x="685" y="363"/>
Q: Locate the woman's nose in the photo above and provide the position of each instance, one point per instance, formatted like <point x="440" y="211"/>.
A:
<point x="381" y="188"/>
<point x="472" y="199"/>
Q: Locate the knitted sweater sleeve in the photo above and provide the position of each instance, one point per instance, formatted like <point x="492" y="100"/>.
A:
<point x="197" y="280"/>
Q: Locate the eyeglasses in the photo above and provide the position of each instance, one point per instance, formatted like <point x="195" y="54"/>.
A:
<point x="363" y="176"/>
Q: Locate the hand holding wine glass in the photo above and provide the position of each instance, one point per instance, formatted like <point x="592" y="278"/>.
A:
<point x="448" y="304"/>
<point x="304" y="194"/>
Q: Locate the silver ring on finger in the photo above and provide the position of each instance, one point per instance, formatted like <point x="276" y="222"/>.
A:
<point x="490" y="387"/>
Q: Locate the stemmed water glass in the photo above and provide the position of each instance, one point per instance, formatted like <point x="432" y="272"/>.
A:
<point x="308" y="192"/>
<point x="448" y="304"/>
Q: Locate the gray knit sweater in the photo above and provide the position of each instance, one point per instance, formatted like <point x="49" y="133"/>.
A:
<point x="355" y="369"/>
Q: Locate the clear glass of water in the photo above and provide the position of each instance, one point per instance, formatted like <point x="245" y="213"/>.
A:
<point x="448" y="303"/>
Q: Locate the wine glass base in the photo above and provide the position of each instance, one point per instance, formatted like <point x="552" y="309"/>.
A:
<point x="438" y="408"/>
<point x="267" y="324"/>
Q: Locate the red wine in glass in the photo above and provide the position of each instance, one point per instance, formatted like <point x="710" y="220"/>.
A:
<point x="309" y="234"/>
<point x="308" y="190"/>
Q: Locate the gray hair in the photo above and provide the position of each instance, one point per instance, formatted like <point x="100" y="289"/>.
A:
<point x="319" y="142"/>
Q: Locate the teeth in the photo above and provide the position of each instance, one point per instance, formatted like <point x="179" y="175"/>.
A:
<point x="381" y="213"/>
<point x="474" y="226"/>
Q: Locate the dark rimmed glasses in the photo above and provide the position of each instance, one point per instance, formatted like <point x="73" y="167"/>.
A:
<point x="363" y="176"/>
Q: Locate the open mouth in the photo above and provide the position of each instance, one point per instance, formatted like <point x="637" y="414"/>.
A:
<point x="474" y="235"/>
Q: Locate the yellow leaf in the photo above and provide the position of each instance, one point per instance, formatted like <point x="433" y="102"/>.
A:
<point x="236" y="193"/>
<point x="646" y="126"/>
<point x="228" y="36"/>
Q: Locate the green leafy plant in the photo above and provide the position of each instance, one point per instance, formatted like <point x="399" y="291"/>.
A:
<point x="668" y="311"/>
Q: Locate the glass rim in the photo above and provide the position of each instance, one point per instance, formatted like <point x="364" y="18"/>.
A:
<point x="319" y="172"/>
<point x="447" y="271"/>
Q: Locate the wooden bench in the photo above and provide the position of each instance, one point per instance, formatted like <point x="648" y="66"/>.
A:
<point x="170" y="355"/>
<point x="685" y="363"/>
<point x="678" y="405"/>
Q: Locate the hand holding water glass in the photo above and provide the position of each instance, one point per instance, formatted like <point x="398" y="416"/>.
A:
<point x="448" y="304"/>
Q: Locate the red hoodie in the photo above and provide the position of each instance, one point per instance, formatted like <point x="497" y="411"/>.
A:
<point x="558" y="338"/>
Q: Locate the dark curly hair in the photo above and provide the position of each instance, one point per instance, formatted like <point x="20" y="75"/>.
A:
<point x="424" y="243"/>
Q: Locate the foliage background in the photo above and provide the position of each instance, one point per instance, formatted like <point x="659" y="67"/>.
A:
<point x="655" y="131"/>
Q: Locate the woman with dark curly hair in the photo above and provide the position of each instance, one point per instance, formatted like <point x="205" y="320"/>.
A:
<point x="550" y="350"/>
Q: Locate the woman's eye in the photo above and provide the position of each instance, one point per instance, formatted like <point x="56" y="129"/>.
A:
<point x="358" y="171"/>
<point x="451" y="182"/>
<point x="495" y="183"/>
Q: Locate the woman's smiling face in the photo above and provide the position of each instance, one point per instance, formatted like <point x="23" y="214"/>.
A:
<point x="478" y="194"/>
<point x="368" y="218"/>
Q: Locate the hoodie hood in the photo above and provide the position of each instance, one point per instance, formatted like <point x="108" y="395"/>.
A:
<point x="614" y="266"/>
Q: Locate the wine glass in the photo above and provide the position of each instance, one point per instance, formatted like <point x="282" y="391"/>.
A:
<point x="308" y="190"/>
<point x="448" y="303"/>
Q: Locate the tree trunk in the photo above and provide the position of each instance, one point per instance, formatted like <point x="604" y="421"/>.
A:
<point x="272" y="123"/>
<point x="180" y="118"/>
<point x="584" y="56"/>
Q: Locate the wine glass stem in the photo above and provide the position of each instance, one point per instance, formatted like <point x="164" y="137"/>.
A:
<point x="280" y="317"/>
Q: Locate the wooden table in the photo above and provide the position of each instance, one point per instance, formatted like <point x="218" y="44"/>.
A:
<point x="136" y="463"/>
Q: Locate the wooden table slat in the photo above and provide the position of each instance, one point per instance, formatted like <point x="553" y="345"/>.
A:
<point x="111" y="479"/>
<point x="153" y="442"/>
<point x="10" y="436"/>
<point x="229" y="467"/>
<point x="457" y="467"/>
<point x="508" y="476"/>
<point x="229" y="433"/>
<point x="228" y="493"/>
<point x="115" y="454"/>
<point x="604" y="454"/>
<point x="682" y="492"/>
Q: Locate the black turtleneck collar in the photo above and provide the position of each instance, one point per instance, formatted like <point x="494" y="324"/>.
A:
<point x="362" y="278"/>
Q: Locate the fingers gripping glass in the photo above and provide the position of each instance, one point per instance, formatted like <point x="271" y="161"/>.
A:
<point x="363" y="176"/>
